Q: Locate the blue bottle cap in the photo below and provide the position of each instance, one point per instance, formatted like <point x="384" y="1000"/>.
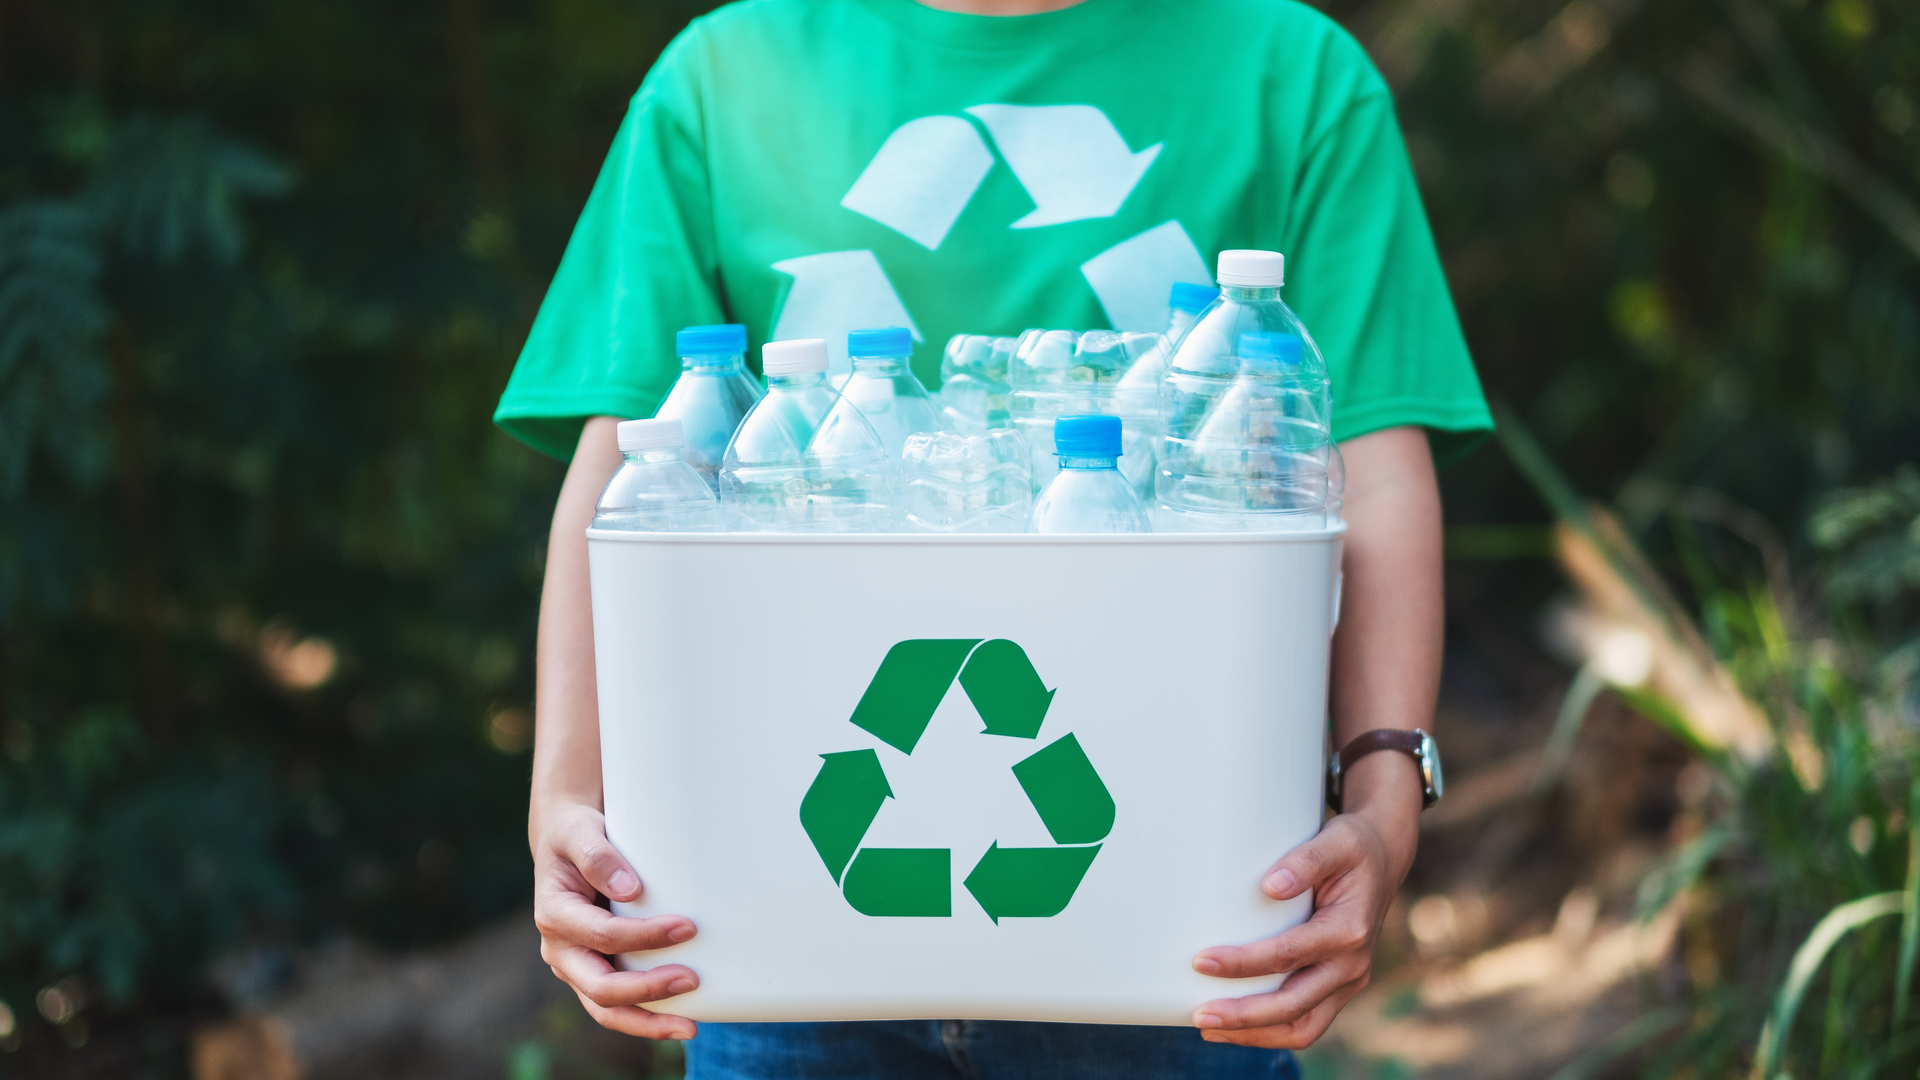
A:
<point x="727" y="339"/>
<point x="888" y="341"/>
<point x="1283" y="349"/>
<point x="1087" y="436"/>
<point x="1191" y="299"/>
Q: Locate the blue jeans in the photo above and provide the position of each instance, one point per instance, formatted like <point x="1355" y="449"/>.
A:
<point x="972" y="1050"/>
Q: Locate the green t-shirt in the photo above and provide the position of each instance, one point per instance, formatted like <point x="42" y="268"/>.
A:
<point x="809" y="167"/>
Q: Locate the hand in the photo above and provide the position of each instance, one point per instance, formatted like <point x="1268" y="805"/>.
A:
<point x="1385" y="673"/>
<point x="573" y="867"/>
<point x="1330" y="955"/>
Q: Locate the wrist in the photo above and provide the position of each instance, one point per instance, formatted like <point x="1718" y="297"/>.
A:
<point x="1385" y="791"/>
<point x="566" y="772"/>
<point x="546" y="810"/>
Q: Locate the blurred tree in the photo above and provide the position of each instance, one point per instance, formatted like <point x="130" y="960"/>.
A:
<point x="1684" y="239"/>
<point x="267" y="574"/>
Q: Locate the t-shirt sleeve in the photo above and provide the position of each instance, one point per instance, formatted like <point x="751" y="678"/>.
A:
<point x="1363" y="274"/>
<point x="641" y="265"/>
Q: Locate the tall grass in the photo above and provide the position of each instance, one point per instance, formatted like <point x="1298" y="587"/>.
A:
<point x="1798" y="864"/>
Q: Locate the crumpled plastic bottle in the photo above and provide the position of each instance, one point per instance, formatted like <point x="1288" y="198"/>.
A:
<point x="955" y="483"/>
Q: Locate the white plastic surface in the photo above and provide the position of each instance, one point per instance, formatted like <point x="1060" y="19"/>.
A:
<point x="793" y="357"/>
<point x="1250" y="268"/>
<point x="634" y="435"/>
<point x="1192" y="670"/>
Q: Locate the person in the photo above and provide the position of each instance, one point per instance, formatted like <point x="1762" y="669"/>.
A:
<point x="806" y="167"/>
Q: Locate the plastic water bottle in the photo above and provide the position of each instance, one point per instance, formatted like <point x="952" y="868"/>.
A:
<point x="1184" y="306"/>
<point x="1248" y="445"/>
<point x="1136" y="401"/>
<point x="1088" y="494"/>
<point x="713" y="393"/>
<point x="973" y="382"/>
<point x="954" y="483"/>
<point x="655" y="490"/>
<point x="884" y="389"/>
<point x="804" y="459"/>
<point x="1059" y="373"/>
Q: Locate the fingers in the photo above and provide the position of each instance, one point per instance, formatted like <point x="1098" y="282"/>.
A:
<point x="572" y="919"/>
<point x="578" y="866"/>
<point x="1297" y="1034"/>
<point x="1313" y="863"/>
<point x="630" y="1020"/>
<point x="1330" y="933"/>
<point x="583" y="843"/>
<point x="1299" y="995"/>
<point x="1330" y="956"/>
<point x="594" y="978"/>
<point x="575" y="866"/>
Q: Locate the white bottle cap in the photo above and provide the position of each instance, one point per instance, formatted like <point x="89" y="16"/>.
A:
<point x="648" y="434"/>
<point x="793" y="357"/>
<point x="1253" y="269"/>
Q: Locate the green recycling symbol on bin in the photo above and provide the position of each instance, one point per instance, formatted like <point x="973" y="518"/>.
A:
<point x="1068" y="794"/>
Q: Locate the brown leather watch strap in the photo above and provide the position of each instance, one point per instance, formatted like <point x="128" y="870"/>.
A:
<point x="1360" y="746"/>
<point x="1378" y="739"/>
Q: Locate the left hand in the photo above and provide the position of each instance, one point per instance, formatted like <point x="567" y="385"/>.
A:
<point x="1330" y="956"/>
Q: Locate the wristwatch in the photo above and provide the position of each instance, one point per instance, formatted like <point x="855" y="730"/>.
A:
<point x="1419" y="744"/>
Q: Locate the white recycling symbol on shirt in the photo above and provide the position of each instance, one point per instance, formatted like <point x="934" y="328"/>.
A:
<point x="1074" y="165"/>
<point x="1070" y="158"/>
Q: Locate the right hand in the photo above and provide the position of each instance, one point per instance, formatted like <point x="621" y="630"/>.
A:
<point x="573" y="866"/>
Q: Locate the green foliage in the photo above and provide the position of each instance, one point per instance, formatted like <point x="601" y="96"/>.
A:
<point x="1816" y="827"/>
<point x="83" y="854"/>
<point x="50" y="319"/>
<point x="1685" y="243"/>
<point x="172" y="185"/>
<point x="267" y="573"/>
<point x="1803" y="844"/>
<point x="1678" y="236"/>
<point x="1873" y="537"/>
<point x="132" y="851"/>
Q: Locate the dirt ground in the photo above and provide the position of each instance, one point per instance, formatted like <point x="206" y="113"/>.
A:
<point x="1514" y="949"/>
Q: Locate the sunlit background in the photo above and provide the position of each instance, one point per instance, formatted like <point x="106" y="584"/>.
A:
<point x="268" y="574"/>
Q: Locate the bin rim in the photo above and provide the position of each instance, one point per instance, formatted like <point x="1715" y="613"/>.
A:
<point x="1303" y="536"/>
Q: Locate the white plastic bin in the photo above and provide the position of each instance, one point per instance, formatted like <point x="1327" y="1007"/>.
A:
<point x="1190" y="671"/>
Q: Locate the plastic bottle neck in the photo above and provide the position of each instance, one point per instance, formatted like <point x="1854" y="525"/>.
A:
<point x="651" y="454"/>
<point x="1088" y="463"/>
<point x="880" y="365"/>
<point x="714" y="362"/>
<point x="799" y="380"/>
<point x="1263" y="368"/>
<point x="1244" y="293"/>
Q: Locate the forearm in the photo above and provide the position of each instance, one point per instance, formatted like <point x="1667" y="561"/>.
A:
<point x="566" y="747"/>
<point x="1387" y="651"/>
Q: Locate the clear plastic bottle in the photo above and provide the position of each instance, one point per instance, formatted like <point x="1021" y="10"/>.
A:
<point x="1059" y="373"/>
<point x="804" y="459"/>
<point x="1248" y="445"/>
<point x="1088" y="494"/>
<point x="973" y="382"/>
<point x="954" y="483"/>
<point x="713" y="393"/>
<point x="1184" y="305"/>
<point x="884" y="389"/>
<point x="655" y="490"/>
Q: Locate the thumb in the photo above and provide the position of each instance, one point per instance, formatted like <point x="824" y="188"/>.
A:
<point x="586" y="846"/>
<point x="1311" y="864"/>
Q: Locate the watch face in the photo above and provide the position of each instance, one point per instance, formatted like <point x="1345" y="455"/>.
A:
<point x="1430" y="765"/>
